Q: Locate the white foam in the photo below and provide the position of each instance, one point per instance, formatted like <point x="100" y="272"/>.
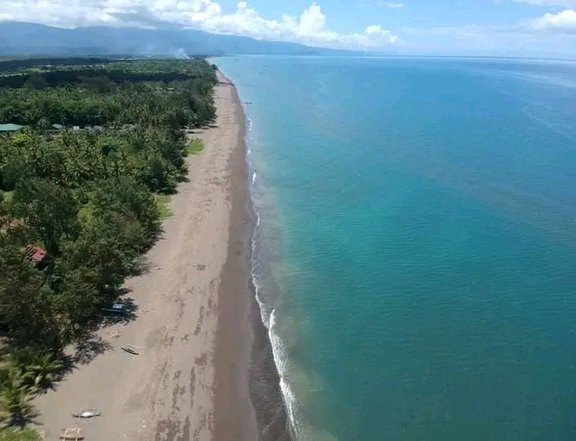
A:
<point x="280" y="359"/>
<point x="278" y="353"/>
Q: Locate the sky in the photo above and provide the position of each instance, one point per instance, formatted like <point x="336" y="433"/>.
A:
<point x="533" y="28"/>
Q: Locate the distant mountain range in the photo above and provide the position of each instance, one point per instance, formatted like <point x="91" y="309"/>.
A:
<point x="27" y="39"/>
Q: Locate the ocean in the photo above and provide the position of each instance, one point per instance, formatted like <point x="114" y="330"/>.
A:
<point x="415" y="250"/>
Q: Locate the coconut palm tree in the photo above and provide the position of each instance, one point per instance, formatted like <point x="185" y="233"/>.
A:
<point x="38" y="370"/>
<point x="15" y="400"/>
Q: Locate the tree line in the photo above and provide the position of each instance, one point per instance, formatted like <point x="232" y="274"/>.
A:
<point x="87" y="198"/>
<point x="22" y="64"/>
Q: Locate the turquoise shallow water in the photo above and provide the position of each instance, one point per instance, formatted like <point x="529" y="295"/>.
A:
<point x="417" y="243"/>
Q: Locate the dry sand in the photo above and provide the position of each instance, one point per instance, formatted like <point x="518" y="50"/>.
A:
<point x="190" y="381"/>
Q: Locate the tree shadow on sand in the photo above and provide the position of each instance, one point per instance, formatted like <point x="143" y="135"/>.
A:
<point x="140" y="267"/>
<point x="89" y="348"/>
<point x="123" y="311"/>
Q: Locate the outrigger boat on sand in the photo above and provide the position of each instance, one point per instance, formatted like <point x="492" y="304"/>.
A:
<point x="87" y="413"/>
<point x="131" y="349"/>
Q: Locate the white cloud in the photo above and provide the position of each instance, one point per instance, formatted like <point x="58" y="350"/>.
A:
<point x="388" y="4"/>
<point x="310" y="28"/>
<point x="564" y="21"/>
<point x="563" y="3"/>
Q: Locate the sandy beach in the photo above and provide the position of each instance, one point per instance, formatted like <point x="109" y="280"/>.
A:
<point x="194" y="316"/>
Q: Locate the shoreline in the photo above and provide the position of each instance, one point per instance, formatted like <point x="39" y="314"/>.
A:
<point x="196" y="324"/>
<point x="235" y="334"/>
<point x="262" y="393"/>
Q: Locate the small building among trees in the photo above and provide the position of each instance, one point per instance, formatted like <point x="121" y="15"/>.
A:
<point x="36" y="255"/>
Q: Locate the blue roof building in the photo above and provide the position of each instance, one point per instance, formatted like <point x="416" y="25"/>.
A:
<point x="6" y="128"/>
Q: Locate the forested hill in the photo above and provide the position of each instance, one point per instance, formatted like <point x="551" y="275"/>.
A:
<point x="34" y="39"/>
<point x="87" y="149"/>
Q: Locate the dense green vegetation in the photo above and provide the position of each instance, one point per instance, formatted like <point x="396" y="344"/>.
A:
<point x="92" y="197"/>
<point x="170" y="96"/>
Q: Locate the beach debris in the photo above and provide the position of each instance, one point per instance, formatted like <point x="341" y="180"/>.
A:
<point x="131" y="349"/>
<point x="72" y="434"/>
<point x="87" y="413"/>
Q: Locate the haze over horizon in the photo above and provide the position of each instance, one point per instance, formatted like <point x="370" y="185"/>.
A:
<point x="532" y="28"/>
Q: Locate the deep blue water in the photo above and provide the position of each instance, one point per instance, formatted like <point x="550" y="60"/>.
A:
<point x="417" y="244"/>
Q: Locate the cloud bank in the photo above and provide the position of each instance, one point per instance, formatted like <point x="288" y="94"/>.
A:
<point x="552" y="33"/>
<point x="309" y="28"/>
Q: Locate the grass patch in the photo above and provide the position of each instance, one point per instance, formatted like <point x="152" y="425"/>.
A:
<point x="14" y="434"/>
<point x="85" y="215"/>
<point x="7" y="195"/>
<point x="195" y="146"/>
<point x="163" y="203"/>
